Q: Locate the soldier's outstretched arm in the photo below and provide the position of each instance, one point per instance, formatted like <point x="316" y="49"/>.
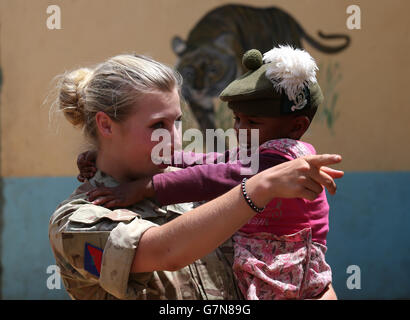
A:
<point x="196" y="233"/>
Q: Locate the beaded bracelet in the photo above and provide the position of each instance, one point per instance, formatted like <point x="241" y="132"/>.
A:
<point x="248" y="199"/>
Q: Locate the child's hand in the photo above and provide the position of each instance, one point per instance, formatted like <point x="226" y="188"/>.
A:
<point x="86" y="165"/>
<point x="124" y="195"/>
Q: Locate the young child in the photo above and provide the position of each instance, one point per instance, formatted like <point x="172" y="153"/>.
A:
<point x="280" y="252"/>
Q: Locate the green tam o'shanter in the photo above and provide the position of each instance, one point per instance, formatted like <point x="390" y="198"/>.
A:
<point x="280" y="82"/>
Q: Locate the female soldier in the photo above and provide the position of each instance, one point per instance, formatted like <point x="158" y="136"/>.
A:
<point x="144" y="251"/>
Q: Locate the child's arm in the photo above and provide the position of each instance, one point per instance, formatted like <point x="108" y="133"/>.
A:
<point x="198" y="183"/>
<point x="124" y="195"/>
<point x="204" y="182"/>
<point x="183" y="159"/>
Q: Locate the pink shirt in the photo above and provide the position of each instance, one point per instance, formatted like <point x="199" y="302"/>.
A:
<point x="288" y="216"/>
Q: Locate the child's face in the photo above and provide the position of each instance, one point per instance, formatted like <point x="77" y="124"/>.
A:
<point x="269" y="127"/>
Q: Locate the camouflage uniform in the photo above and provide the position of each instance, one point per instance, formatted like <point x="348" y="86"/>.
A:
<point x="77" y="224"/>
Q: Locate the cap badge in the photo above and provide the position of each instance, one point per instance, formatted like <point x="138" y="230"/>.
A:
<point x="300" y="101"/>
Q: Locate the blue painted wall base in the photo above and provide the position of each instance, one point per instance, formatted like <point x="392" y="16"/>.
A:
<point x="369" y="227"/>
<point x="26" y="252"/>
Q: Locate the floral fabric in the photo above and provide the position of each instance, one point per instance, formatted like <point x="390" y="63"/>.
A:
<point x="268" y="267"/>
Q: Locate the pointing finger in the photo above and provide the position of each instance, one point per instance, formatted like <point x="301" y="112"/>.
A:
<point x="323" y="159"/>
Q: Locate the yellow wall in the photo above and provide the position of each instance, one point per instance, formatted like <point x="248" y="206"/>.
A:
<point x="372" y="131"/>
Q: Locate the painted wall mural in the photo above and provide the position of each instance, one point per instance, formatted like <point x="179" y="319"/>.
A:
<point x="211" y="56"/>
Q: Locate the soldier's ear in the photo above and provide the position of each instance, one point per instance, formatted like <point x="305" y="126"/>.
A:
<point x="178" y="45"/>
<point x="104" y="124"/>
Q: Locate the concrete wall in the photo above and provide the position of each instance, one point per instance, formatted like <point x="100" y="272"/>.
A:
<point x="369" y="217"/>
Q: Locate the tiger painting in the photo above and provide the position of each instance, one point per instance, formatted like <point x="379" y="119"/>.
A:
<point x="211" y="56"/>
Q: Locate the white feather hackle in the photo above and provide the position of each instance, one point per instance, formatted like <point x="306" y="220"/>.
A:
<point x="290" y="69"/>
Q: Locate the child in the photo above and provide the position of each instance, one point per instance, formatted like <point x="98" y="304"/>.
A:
<point x="280" y="252"/>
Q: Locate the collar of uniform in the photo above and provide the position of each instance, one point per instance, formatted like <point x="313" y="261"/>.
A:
<point x="102" y="179"/>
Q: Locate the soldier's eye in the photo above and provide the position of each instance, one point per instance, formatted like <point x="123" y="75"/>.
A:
<point x="158" y="125"/>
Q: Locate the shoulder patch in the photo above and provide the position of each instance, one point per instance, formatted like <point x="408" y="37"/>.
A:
<point x="92" y="259"/>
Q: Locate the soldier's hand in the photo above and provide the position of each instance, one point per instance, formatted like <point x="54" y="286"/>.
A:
<point x="122" y="196"/>
<point x="304" y="177"/>
<point x="86" y="165"/>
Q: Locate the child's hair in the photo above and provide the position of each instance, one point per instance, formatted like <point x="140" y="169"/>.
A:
<point x="112" y="87"/>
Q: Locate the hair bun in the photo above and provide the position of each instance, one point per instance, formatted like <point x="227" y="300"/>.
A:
<point x="72" y="95"/>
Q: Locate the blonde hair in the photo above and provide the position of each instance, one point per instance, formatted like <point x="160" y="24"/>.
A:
<point x="112" y="87"/>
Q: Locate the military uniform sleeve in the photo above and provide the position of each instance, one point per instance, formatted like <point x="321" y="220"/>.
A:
<point x="118" y="256"/>
<point x="94" y="248"/>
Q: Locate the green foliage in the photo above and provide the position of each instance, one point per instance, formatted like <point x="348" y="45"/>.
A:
<point x="329" y="77"/>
